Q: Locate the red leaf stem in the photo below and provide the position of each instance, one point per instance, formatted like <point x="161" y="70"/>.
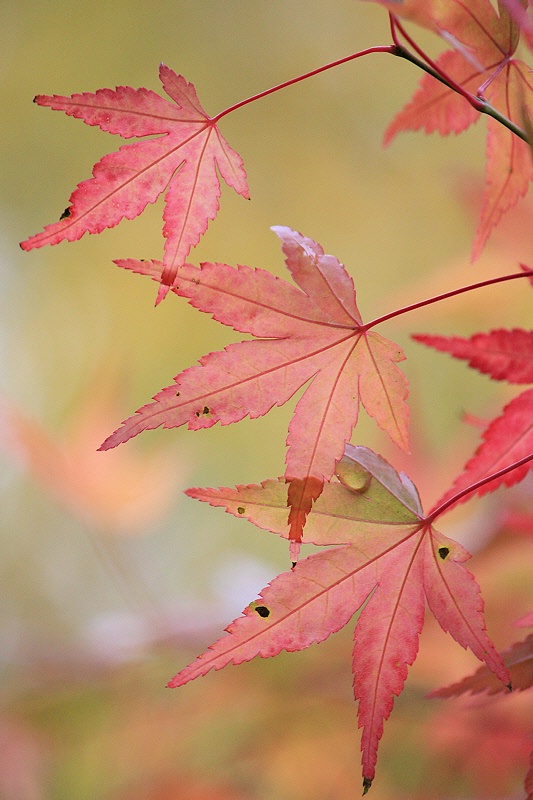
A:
<point x="437" y="298"/>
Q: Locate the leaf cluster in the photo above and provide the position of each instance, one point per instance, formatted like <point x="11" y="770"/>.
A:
<point x="383" y="556"/>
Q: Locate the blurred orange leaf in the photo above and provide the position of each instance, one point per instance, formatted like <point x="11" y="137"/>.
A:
<point x="120" y="492"/>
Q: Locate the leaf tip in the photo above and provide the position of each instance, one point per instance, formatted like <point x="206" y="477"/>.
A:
<point x="367" y="783"/>
<point x="161" y="293"/>
<point x="294" y="552"/>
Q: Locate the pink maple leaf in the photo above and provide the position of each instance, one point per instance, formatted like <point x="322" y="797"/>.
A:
<point x="182" y="163"/>
<point x="313" y="334"/>
<point x="390" y="557"/>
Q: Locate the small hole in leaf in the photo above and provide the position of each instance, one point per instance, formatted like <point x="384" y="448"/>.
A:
<point x="443" y="552"/>
<point x="240" y="510"/>
<point x="65" y="214"/>
<point x="263" y="611"/>
<point x="177" y="394"/>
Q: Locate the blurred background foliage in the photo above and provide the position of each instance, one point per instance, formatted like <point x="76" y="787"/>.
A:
<point x="112" y="580"/>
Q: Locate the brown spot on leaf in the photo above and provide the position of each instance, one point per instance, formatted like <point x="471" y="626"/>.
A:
<point x="65" y="214"/>
<point x="263" y="611"/>
<point x="444" y="552"/>
<point x="240" y="510"/>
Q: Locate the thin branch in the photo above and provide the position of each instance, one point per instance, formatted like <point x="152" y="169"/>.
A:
<point x="434" y="68"/>
<point x="391" y="48"/>
<point x="439" y="297"/>
<point x="425" y="63"/>
<point x="420" y="60"/>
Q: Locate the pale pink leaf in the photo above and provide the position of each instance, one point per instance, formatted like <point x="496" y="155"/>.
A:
<point x="311" y="333"/>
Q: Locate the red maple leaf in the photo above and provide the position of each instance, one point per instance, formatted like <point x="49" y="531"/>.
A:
<point x="182" y="163"/>
<point x="507" y="439"/>
<point x="502" y="354"/>
<point x="481" y="62"/>
<point x="312" y="333"/>
<point x="390" y="558"/>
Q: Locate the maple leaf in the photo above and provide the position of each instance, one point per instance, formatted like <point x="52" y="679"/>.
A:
<point x="482" y="64"/>
<point x="390" y="558"/>
<point x="502" y="354"/>
<point x="122" y="495"/>
<point x="182" y="163"/>
<point x="518" y="659"/>
<point x="507" y="439"/>
<point x="315" y="333"/>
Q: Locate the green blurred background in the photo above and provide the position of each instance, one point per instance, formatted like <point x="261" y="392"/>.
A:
<point x="112" y="579"/>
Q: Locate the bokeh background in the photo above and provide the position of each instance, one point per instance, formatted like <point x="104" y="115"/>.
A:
<point x="111" y="579"/>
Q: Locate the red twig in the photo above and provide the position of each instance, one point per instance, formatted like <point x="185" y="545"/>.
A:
<point x="439" y="297"/>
